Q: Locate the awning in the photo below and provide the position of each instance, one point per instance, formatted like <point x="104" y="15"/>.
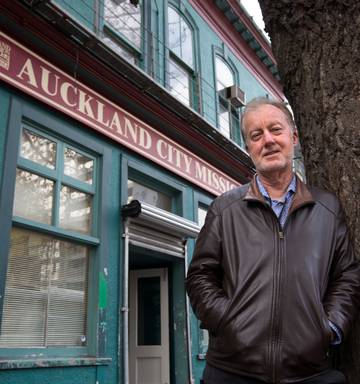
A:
<point x="153" y="228"/>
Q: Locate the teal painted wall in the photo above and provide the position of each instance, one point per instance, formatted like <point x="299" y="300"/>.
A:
<point x="83" y="11"/>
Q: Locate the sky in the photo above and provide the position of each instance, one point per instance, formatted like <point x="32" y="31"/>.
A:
<point x="253" y="9"/>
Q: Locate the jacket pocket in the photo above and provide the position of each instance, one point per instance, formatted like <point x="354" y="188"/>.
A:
<point x="326" y="330"/>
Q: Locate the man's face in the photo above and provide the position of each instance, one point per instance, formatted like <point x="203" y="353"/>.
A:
<point x="269" y="139"/>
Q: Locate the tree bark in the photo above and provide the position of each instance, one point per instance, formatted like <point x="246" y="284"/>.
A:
<point x="317" y="47"/>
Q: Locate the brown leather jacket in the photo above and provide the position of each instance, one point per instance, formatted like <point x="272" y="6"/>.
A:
<point x="266" y="294"/>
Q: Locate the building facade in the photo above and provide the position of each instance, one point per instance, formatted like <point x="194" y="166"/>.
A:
<point x="119" y="124"/>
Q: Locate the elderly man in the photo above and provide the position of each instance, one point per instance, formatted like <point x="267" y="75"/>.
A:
<point x="273" y="277"/>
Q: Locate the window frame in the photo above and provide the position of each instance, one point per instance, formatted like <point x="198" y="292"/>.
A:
<point x="154" y="179"/>
<point x="117" y="38"/>
<point x="234" y="113"/>
<point x="60" y="179"/>
<point x="50" y="125"/>
<point x="183" y="18"/>
<point x="193" y="73"/>
<point x="190" y="78"/>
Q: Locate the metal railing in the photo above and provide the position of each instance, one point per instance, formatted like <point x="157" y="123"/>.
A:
<point x="145" y="47"/>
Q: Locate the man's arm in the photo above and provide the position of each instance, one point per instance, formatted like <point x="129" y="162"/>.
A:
<point x="343" y="294"/>
<point x="204" y="279"/>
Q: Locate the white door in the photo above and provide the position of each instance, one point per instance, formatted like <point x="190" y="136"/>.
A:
<point x="149" y="327"/>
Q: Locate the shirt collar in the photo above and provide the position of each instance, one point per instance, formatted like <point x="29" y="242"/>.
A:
<point x="291" y="189"/>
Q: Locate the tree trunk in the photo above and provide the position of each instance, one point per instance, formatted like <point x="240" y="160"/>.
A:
<point x="317" y="47"/>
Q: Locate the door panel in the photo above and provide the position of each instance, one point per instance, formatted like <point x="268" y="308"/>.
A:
<point x="149" y="327"/>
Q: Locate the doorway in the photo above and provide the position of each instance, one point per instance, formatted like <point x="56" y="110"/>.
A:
<point x="156" y="338"/>
<point x="149" y="356"/>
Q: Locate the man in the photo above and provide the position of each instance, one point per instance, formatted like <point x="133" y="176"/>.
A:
<point x="273" y="277"/>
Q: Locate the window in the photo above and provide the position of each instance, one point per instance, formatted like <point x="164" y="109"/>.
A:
<point x="228" y="103"/>
<point x="179" y="82"/>
<point x="122" y="29"/>
<point x="52" y="239"/>
<point x="46" y="292"/>
<point x="137" y="191"/>
<point x="150" y="185"/>
<point x="202" y="211"/>
<point x="224" y="78"/>
<point x="180" y="37"/>
<point x="181" y="57"/>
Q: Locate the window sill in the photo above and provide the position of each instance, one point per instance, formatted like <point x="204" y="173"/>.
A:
<point x="53" y="362"/>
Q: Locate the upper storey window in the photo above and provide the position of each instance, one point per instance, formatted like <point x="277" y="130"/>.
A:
<point x="181" y="72"/>
<point x="123" y="27"/>
<point x="180" y="37"/>
<point x="224" y="75"/>
<point x="224" y="78"/>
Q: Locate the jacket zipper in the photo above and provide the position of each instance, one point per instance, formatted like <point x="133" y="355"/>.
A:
<point x="275" y="319"/>
<point x="276" y="326"/>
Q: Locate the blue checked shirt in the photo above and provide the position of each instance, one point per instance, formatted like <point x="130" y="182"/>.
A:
<point x="280" y="207"/>
<point x="281" y="210"/>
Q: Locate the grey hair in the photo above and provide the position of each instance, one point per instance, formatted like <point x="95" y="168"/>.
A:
<point x="260" y="101"/>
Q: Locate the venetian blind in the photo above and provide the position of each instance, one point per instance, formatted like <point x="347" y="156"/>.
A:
<point x="46" y="292"/>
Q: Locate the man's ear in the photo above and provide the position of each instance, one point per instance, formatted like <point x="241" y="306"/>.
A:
<point x="295" y="137"/>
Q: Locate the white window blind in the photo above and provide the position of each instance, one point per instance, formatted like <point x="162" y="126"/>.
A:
<point x="46" y="292"/>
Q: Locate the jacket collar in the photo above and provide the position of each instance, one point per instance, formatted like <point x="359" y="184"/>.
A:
<point x="302" y="195"/>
